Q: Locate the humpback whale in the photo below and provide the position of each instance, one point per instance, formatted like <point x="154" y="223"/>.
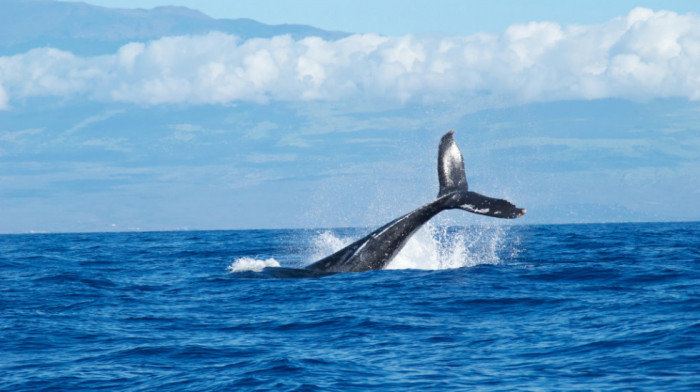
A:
<point x="378" y="248"/>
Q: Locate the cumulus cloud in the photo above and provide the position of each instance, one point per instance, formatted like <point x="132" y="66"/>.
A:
<point x="642" y="55"/>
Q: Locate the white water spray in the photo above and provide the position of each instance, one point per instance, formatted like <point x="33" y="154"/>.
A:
<point x="250" y="264"/>
<point x="431" y="247"/>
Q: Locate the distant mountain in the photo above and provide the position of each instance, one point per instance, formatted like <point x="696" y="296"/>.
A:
<point x="91" y="30"/>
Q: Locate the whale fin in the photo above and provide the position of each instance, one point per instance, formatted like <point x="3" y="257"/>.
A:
<point x="453" y="180"/>
<point x="450" y="167"/>
<point x="484" y="205"/>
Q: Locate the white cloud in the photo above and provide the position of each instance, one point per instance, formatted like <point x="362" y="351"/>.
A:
<point x="261" y="130"/>
<point x="109" y="144"/>
<point x="642" y="55"/>
<point x="93" y="119"/>
<point x="4" y="100"/>
<point x="187" y="127"/>
<point x="268" y="158"/>
<point x="18" y="136"/>
<point x="186" y="132"/>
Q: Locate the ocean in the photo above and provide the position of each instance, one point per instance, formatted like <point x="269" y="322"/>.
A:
<point x="586" y="307"/>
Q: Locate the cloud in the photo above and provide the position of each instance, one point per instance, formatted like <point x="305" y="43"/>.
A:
<point x="642" y="55"/>
<point x="4" y="100"/>
<point x="261" y="130"/>
<point x="269" y="158"/>
<point x="18" y="136"/>
<point x="109" y="144"/>
<point x="92" y="120"/>
<point x="186" y="132"/>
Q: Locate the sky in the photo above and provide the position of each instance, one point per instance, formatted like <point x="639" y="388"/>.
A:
<point x="578" y="111"/>
<point x="395" y="17"/>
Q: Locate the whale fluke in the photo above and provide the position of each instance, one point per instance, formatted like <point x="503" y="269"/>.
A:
<point x="378" y="248"/>
<point x="484" y="205"/>
<point x="450" y="167"/>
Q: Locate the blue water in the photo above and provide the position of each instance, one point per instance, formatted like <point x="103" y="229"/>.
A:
<point x="567" y="307"/>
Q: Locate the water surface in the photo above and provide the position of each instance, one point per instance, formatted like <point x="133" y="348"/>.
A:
<point x="559" y="307"/>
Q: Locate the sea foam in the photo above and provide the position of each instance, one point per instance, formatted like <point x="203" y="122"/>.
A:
<point x="250" y="264"/>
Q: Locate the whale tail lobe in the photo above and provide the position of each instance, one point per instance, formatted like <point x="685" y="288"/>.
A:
<point x="453" y="182"/>
<point x="450" y="167"/>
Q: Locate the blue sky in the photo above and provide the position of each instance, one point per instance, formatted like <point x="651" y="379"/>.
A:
<point x="577" y="111"/>
<point x="395" y="17"/>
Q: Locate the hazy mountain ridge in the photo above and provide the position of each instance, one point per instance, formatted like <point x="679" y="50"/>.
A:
<point x="92" y="30"/>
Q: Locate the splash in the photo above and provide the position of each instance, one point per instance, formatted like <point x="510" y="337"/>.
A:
<point x="326" y="243"/>
<point x="433" y="247"/>
<point x="250" y="264"/>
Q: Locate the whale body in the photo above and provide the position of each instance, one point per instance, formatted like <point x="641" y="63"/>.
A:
<point x="376" y="250"/>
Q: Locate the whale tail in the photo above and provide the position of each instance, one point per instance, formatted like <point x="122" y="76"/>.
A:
<point x="453" y="182"/>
